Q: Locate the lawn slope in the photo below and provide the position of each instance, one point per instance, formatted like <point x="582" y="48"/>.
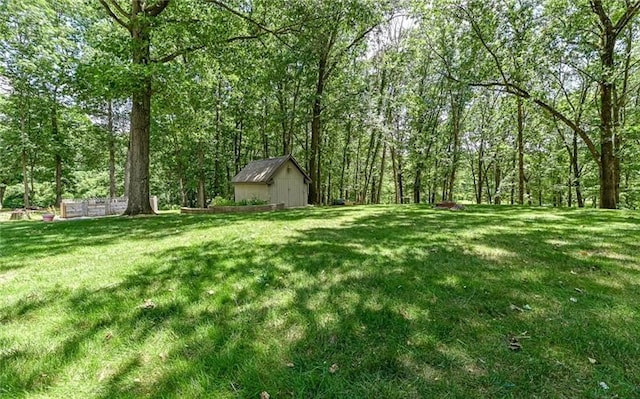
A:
<point x="351" y="302"/>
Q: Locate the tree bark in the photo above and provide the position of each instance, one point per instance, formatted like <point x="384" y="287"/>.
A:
<point x="607" y="145"/>
<point x="3" y="188"/>
<point x="498" y="181"/>
<point x="521" y="177"/>
<point x="25" y="176"/>
<point x="345" y="158"/>
<point x="138" y="195"/>
<point x="316" y="131"/>
<point x="112" y="151"/>
<point x="381" y="177"/>
<point x="58" y="148"/>
<point x="576" y="172"/>
<point x="456" y="120"/>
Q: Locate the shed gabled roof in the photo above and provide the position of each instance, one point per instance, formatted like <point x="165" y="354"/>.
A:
<point x="263" y="170"/>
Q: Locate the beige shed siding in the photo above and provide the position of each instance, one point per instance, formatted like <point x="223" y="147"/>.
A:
<point x="288" y="186"/>
<point x="252" y="191"/>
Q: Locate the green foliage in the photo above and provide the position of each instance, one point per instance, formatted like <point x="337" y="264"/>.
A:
<point x="220" y="201"/>
<point x="253" y="201"/>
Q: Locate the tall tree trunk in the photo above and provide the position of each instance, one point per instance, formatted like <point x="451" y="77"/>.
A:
<point x="480" y="169"/>
<point x="607" y="145"/>
<point x="345" y="158"/>
<point x="381" y="177"/>
<point x="497" y="199"/>
<point x="417" y="182"/>
<point x="316" y="131"/>
<point x="202" y="195"/>
<point x="263" y="130"/>
<point x="609" y="136"/>
<point x="25" y="175"/>
<point x="237" y="145"/>
<point x="455" y="109"/>
<point x="394" y="166"/>
<point x="58" y="148"/>
<point x="576" y="172"/>
<point x="112" y="151"/>
<point x="521" y="177"/>
<point x="3" y="188"/>
<point x="138" y="195"/>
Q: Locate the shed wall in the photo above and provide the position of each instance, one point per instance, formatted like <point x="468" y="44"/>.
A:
<point x="289" y="187"/>
<point x="244" y="191"/>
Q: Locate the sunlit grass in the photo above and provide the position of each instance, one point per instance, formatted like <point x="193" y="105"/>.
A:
<point x="339" y="302"/>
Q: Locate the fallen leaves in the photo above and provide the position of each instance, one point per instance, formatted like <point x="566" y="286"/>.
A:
<point x="592" y="360"/>
<point x="148" y="304"/>
<point x="514" y="341"/>
<point x="514" y="344"/>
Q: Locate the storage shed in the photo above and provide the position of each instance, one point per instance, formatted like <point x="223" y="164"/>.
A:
<point x="275" y="180"/>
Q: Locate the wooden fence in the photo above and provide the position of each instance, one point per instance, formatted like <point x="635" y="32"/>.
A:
<point x="95" y="207"/>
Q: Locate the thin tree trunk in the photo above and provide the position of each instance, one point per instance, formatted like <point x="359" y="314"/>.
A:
<point x="417" y="182"/>
<point x="521" y="177"/>
<point x="576" y="172"/>
<point x="316" y="131"/>
<point x="345" y="158"/>
<point x="497" y="199"/>
<point x="3" y="188"/>
<point x="112" y="151"/>
<point x="25" y="176"/>
<point x="381" y="177"/>
<point x="456" y="146"/>
<point x="58" y="147"/>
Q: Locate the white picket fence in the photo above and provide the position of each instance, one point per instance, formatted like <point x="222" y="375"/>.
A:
<point x="95" y="207"/>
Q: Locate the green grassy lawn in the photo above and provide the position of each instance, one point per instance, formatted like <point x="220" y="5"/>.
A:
<point x="350" y="302"/>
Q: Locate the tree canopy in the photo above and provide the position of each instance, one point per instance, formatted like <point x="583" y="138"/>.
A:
<point x="510" y="102"/>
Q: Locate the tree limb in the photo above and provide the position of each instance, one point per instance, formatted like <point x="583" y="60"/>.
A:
<point x="119" y="9"/>
<point x="242" y="16"/>
<point x="520" y="92"/>
<point x="174" y="55"/>
<point x="113" y="15"/>
<point x="478" y="32"/>
<point x="632" y="10"/>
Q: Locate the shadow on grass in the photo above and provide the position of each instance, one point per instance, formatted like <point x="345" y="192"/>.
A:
<point x="391" y="302"/>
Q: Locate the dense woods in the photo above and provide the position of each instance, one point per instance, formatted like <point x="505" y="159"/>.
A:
<point x="503" y="102"/>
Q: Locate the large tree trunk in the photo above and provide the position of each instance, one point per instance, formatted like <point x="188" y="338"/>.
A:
<point x="607" y="145"/>
<point x="138" y="194"/>
<point x="609" y="138"/>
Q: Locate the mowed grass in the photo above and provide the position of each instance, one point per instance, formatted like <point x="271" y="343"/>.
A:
<point x="351" y="302"/>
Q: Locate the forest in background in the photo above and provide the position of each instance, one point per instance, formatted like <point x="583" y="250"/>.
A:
<point x="502" y="102"/>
